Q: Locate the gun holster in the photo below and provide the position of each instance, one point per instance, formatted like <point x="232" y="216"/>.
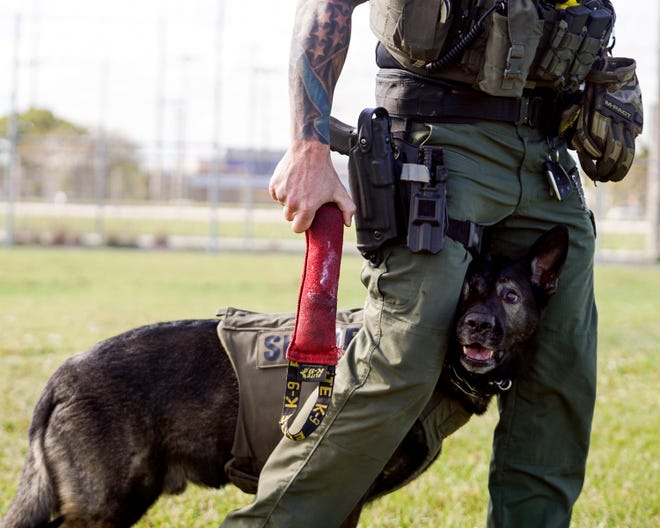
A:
<point x="399" y="189"/>
<point x="373" y="182"/>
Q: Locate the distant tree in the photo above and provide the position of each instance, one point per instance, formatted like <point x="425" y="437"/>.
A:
<point x="41" y="121"/>
<point x="57" y="155"/>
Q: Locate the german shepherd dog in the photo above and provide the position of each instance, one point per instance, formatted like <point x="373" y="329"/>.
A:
<point x="148" y="411"/>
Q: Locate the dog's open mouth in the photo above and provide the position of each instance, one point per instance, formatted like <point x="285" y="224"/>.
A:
<point x="478" y="358"/>
<point x="477" y="352"/>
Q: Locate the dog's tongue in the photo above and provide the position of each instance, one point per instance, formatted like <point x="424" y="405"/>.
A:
<point x="477" y="352"/>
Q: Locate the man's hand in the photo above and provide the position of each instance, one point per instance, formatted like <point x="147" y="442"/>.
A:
<point x="304" y="180"/>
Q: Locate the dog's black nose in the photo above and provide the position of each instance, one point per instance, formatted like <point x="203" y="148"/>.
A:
<point x="480" y="322"/>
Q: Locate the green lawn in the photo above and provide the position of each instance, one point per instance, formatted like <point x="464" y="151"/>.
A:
<point x="56" y="302"/>
<point x="30" y="228"/>
<point x="127" y="228"/>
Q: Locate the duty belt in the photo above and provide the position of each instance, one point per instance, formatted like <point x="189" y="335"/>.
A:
<point x="408" y="95"/>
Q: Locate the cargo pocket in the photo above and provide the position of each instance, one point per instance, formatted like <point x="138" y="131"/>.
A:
<point x="395" y="282"/>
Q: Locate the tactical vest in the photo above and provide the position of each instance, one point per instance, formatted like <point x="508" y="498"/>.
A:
<point x="256" y="344"/>
<point x="498" y="47"/>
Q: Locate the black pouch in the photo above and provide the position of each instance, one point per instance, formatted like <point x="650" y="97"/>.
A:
<point x="598" y="32"/>
<point x="424" y="198"/>
<point x="372" y="179"/>
<point x="578" y="35"/>
<point x="567" y="38"/>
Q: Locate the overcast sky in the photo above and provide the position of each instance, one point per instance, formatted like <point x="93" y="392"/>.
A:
<point x="147" y="68"/>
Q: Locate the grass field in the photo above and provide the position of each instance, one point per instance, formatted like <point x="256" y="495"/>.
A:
<point x="126" y="230"/>
<point x="57" y="302"/>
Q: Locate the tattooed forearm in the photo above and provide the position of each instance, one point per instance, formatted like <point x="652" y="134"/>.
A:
<point x="320" y="42"/>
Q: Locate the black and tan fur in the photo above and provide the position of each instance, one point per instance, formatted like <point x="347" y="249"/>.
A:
<point x="147" y="411"/>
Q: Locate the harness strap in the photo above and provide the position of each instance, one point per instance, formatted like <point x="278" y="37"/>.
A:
<point x="468" y="233"/>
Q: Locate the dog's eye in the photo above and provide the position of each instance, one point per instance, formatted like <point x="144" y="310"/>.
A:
<point x="510" y="297"/>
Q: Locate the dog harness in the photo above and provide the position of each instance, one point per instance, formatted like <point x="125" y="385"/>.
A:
<point x="256" y="344"/>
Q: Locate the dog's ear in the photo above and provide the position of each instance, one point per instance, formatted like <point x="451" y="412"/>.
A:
<point x="547" y="257"/>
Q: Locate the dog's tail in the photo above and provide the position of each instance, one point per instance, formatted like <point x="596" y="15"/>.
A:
<point x="35" y="501"/>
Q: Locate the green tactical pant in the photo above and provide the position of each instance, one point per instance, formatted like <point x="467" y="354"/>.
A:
<point x="390" y="369"/>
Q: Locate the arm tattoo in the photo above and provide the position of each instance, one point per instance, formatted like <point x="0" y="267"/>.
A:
<point x="320" y="42"/>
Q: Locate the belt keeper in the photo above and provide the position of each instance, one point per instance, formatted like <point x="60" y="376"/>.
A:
<point x="475" y="236"/>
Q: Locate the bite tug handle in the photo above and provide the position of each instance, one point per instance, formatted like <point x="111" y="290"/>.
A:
<point x="314" y="338"/>
<point x="313" y="351"/>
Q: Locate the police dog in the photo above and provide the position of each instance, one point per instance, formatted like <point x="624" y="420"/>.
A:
<point x="146" y="412"/>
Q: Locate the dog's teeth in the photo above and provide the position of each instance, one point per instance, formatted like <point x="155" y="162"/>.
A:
<point x="478" y="353"/>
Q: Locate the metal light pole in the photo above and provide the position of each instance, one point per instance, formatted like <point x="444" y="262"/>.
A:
<point x="13" y="138"/>
<point x="653" y="174"/>
<point x="156" y="178"/>
<point x="100" y="152"/>
<point x="214" y="177"/>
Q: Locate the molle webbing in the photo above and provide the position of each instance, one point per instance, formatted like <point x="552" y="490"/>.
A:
<point x="499" y="47"/>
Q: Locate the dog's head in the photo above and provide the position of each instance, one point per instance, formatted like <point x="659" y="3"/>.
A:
<point x="501" y="304"/>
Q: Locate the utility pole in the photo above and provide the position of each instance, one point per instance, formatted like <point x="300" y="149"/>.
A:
<point x="214" y="172"/>
<point x="157" y="177"/>
<point x="177" y="184"/>
<point x="653" y="171"/>
<point x="34" y="59"/>
<point x="100" y="152"/>
<point x="12" y="167"/>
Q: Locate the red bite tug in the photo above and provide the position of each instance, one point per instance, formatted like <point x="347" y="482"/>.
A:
<point x="313" y="351"/>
